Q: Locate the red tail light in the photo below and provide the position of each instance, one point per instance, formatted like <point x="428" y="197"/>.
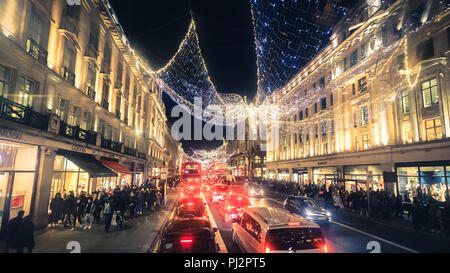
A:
<point x="186" y="241"/>
<point x="267" y="250"/>
<point x="325" y="248"/>
<point x="190" y="204"/>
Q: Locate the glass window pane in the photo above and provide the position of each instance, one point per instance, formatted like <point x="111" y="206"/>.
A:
<point x="425" y="85"/>
<point x="408" y="171"/>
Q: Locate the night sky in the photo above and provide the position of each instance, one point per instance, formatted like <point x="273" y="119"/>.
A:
<point x="225" y="30"/>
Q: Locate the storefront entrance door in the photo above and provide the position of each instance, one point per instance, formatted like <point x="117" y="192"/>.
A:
<point x="5" y="198"/>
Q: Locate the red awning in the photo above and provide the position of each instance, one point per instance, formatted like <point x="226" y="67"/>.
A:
<point x="116" y="166"/>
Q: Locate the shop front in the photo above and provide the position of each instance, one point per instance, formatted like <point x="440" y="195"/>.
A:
<point x="325" y="176"/>
<point x="124" y="175"/>
<point x="357" y="177"/>
<point x="300" y="175"/>
<point x="426" y="180"/>
<point x="77" y="172"/>
<point x="283" y="174"/>
<point x="18" y="164"/>
<point x="272" y="174"/>
<point x="257" y="172"/>
<point x="139" y="174"/>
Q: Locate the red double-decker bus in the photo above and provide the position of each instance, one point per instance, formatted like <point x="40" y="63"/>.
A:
<point x="191" y="172"/>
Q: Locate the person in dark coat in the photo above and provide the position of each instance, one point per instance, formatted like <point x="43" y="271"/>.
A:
<point x="12" y="230"/>
<point x="69" y="209"/>
<point x="25" y="236"/>
<point x="132" y="200"/>
<point x="56" y="206"/>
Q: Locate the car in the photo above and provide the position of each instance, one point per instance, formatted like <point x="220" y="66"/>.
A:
<point x="275" y="230"/>
<point x="254" y="190"/>
<point x="232" y="206"/>
<point x="190" y="190"/>
<point x="306" y="207"/>
<point x="188" y="235"/>
<point x="190" y="207"/>
<point x="219" y="191"/>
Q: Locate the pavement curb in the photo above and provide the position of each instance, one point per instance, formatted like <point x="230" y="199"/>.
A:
<point x="158" y="234"/>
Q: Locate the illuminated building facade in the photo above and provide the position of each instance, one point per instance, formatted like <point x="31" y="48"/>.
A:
<point x="77" y="113"/>
<point x="373" y="104"/>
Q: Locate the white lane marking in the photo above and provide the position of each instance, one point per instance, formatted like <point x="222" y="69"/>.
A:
<point x="363" y="232"/>
<point x="376" y="237"/>
<point x="223" y="248"/>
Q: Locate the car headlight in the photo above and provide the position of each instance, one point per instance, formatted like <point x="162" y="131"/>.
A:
<point x="328" y="214"/>
<point x="252" y="191"/>
<point x="309" y="213"/>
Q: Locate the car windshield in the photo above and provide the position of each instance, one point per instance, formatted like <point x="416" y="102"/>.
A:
<point x="294" y="238"/>
<point x="304" y="203"/>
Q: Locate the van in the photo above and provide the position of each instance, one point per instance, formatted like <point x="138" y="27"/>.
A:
<point x="275" y="230"/>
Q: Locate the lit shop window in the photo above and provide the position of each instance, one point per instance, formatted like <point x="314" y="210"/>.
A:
<point x="429" y="93"/>
<point x="27" y="89"/>
<point x="433" y="129"/>
<point x="4" y="80"/>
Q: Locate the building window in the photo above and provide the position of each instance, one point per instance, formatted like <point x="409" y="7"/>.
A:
<point x="295" y="138"/>
<point x="363" y="51"/>
<point x="300" y="136"/>
<point x="314" y="87"/>
<point x="323" y="103"/>
<point x="105" y="96"/>
<point x="364" y="116"/>
<point x="119" y="75"/>
<point x="101" y="127"/>
<point x="257" y="159"/>
<point x="5" y="75"/>
<point x="27" y="89"/>
<point x="322" y="82"/>
<point x="429" y="93"/>
<point x="362" y="84"/>
<point x="307" y="134"/>
<point x="354" y="58"/>
<point x="355" y="119"/>
<point x="405" y="102"/>
<point x="106" y="64"/>
<point x="93" y="37"/>
<point x="433" y="129"/>
<point x="61" y="108"/>
<point x="306" y="112"/>
<point x="365" y="141"/>
<point x="315" y="108"/>
<point x="316" y="130"/>
<point x="301" y="115"/>
<point x="118" y="104"/>
<point x="332" y="126"/>
<point x="324" y="128"/>
<point x="401" y="62"/>
<point x="407" y="133"/>
<point x="91" y="80"/>
<point x="85" y="121"/>
<point x="331" y="99"/>
<point x="345" y="64"/>
<point x="425" y="50"/>
<point x="353" y="89"/>
<point x="74" y="115"/>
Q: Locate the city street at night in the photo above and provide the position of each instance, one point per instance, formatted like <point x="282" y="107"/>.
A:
<point x="230" y="132"/>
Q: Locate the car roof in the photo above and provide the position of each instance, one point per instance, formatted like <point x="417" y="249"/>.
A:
<point x="191" y="223"/>
<point x="277" y="217"/>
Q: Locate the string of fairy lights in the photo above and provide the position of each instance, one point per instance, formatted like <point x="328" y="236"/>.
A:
<point x="289" y="34"/>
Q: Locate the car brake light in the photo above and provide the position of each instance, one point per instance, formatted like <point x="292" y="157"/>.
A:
<point x="186" y="241"/>
<point x="190" y="204"/>
<point x="325" y="248"/>
<point x="215" y="192"/>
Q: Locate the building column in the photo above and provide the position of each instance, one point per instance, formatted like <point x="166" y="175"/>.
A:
<point x="42" y="193"/>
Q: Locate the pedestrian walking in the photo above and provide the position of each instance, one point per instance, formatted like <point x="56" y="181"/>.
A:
<point x="89" y="214"/>
<point x="108" y="213"/>
<point x="56" y="207"/>
<point x="25" y="235"/>
<point x="70" y="209"/>
<point x="12" y="230"/>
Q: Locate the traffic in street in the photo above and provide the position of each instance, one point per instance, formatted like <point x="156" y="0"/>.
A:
<point x="213" y="215"/>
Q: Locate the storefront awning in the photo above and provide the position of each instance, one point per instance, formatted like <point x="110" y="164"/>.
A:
<point x="116" y="166"/>
<point x="88" y="163"/>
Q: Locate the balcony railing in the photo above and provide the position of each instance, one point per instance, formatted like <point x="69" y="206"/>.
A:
<point x="111" y="145"/>
<point x="22" y="114"/>
<point x="36" y="51"/>
<point x="68" y="75"/>
<point x="130" y="151"/>
<point x="77" y="133"/>
<point x="90" y="93"/>
<point x="105" y="104"/>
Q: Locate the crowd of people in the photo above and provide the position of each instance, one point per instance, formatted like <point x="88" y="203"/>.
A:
<point x="84" y="210"/>
<point x="429" y="215"/>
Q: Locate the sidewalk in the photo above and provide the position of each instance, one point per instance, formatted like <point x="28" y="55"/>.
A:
<point x="401" y="224"/>
<point x="136" y="236"/>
